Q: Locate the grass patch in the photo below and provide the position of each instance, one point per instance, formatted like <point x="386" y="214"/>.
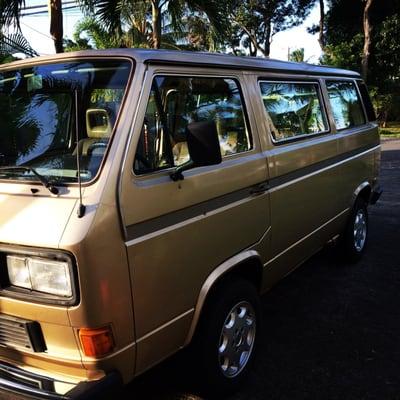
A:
<point x="392" y="131"/>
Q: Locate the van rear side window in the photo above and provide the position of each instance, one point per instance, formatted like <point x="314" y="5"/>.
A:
<point x="294" y="109"/>
<point x="346" y="104"/>
<point x="369" y="108"/>
<point x="175" y="102"/>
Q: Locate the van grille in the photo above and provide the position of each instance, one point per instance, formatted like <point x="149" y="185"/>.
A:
<point x="19" y="333"/>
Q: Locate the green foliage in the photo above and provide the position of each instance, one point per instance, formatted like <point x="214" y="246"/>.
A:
<point x="390" y="131"/>
<point x="345" y="36"/>
<point x="4" y="59"/>
<point x="345" y="40"/>
<point x="388" y="46"/>
<point x="141" y="19"/>
<point x="297" y="55"/>
<point x="257" y="21"/>
<point x="96" y="35"/>
<point x="345" y="54"/>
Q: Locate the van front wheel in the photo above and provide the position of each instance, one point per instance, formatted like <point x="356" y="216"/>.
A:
<point x="356" y="234"/>
<point x="227" y="337"/>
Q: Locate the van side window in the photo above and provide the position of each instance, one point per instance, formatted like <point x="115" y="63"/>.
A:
<point x="294" y="109"/>
<point x="175" y="102"/>
<point x="346" y="105"/>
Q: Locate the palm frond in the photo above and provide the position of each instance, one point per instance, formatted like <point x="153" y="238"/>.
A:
<point x="216" y="11"/>
<point x="10" y="12"/>
<point x="16" y="43"/>
<point x="107" y="11"/>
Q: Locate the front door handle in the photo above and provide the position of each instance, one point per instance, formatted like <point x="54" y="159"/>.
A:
<point x="259" y="189"/>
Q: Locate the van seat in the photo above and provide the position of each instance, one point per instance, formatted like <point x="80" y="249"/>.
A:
<point x="96" y="133"/>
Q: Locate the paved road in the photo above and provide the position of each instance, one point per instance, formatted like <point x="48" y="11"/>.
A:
<point x="331" y="331"/>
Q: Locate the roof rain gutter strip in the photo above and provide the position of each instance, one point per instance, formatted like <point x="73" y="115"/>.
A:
<point x="319" y="71"/>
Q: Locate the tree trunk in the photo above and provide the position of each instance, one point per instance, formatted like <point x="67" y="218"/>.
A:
<point x="268" y="39"/>
<point x="321" y="38"/>
<point x="367" y="39"/>
<point x="252" y="49"/>
<point x="254" y="45"/>
<point x="56" y="24"/>
<point x="156" y="23"/>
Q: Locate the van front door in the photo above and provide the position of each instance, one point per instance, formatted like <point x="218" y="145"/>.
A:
<point x="178" y="232"/>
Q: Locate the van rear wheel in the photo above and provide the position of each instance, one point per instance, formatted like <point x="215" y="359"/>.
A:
<point x="227" y="337"/>
<point x="356" y="233"/>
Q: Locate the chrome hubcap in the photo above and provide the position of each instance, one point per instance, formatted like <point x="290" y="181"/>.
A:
<point x="360" y="230"/>
<point x="237" y="339"/>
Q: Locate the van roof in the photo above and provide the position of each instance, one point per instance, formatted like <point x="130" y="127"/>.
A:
<point x="200" y="59"/>
<point x="235" y="62"/>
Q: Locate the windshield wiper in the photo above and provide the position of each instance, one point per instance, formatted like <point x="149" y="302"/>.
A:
<point x="47" y="184"/>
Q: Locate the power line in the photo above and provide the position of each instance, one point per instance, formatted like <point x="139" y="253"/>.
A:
<point x="45" y="5"/>
<point x="46" y="11"/>
<point x="35" y="30"/>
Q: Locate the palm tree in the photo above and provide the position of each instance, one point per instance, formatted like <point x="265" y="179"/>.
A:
<point x="56" y="24"/>
<point x="10" y="13"/>
<point x="114" y="12"/>
<point x="92" y="33"/>
<point x="297" y="55"/>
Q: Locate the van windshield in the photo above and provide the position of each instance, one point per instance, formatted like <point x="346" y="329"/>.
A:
<point x="52" y="113"/>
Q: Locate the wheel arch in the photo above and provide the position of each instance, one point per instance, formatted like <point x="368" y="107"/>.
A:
<point x="246" y="265"/>
<point x="363" y="191"/>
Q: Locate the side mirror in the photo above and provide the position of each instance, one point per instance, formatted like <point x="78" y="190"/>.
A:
<point x="203" y="146"/>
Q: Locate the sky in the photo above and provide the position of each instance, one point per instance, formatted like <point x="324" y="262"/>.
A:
<point x="36" y="30"/>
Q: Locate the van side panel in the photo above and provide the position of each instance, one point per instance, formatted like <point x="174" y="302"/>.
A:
<point x="362" y="147"/>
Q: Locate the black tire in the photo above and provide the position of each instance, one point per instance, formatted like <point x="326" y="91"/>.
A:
<point x="235" y="300"/>
<point x="355" y="237"/>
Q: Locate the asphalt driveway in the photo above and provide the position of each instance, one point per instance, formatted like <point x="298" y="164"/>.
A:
<point x="331" y="330"/>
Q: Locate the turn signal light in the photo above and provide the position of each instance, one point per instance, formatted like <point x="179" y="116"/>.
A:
<point x="96" y="342"/>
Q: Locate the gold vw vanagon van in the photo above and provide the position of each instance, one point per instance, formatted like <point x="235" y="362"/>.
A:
<point x="147" y="199"/>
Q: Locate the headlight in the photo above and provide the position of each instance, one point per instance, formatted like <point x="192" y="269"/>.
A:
<point x="39" y="274"/>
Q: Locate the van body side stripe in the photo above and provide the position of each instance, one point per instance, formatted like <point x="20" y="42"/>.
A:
<point x="175" y="217"/>
<point x="321" y="166"/>
<point x="160" y="224"/>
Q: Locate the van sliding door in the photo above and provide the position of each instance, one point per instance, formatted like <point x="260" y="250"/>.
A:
<point x="304" y="181"/>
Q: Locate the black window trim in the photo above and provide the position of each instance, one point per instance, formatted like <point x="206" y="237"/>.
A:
<point x="321" y="98"/>
<point x="359" y="82"/>
<point x="353" y="81"/>
<point x="236" y="78"/>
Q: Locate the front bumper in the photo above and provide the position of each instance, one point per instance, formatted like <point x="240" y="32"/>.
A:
<point x="33" y="386"/>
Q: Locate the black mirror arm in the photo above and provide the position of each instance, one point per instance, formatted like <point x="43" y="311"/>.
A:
<point x="177" y="175"/>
